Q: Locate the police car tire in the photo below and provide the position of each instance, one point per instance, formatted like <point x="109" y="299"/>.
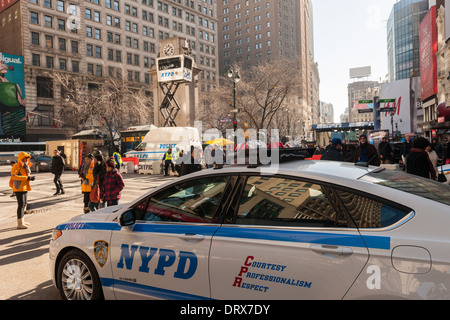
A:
<point x="75" y="259"/>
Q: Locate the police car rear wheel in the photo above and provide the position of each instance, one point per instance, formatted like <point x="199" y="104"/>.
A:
<point x="78" y="278"/>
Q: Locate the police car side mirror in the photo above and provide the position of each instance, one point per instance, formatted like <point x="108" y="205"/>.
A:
<point x="127" y="218"/>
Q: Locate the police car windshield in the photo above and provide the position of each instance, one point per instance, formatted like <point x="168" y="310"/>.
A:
<point x="411" y="184"/>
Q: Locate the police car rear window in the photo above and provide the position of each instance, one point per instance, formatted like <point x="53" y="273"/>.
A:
<point x="425" y="188"/>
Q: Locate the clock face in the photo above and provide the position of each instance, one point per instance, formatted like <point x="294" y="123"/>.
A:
<point x="168" y="49"/>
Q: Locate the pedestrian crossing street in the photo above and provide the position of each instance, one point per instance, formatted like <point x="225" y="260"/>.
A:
<point x="41" y="198"/>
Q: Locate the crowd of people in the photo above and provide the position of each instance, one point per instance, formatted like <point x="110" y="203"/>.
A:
<point x="420" y="156"/>
<point x="102" y="183"/>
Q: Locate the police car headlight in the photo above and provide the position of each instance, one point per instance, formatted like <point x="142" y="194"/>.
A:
<point x="56" y="234"/>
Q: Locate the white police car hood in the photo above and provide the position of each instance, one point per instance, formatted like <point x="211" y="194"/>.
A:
<point x="100" y="215"/>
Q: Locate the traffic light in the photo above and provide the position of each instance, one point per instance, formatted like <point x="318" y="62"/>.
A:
<point x="235" y="124"/>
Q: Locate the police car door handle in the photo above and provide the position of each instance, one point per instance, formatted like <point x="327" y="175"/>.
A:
<point x="332" y="250"/>
<point x="192" y="236"/>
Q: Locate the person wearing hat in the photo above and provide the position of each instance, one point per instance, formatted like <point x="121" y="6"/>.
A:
<point x="20" y="183"/>
<point x="112" y="185"/>
<point x="366" y="152"/>
<point x="333" y="152"/>
<point x="87" y="179"/>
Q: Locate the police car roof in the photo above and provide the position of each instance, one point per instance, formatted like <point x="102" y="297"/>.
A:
<point x="346" y="170"/>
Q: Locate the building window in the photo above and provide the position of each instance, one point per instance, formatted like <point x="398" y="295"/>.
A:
<point x="44" y="87"/>
<point x="35" y="38"/>
<point x="60" y="5"/>
<point x="48" y="21"/>
<point x="98" y="71"/>
<point x="63" y="64"/>
<point x="36" y="60"/>
<point x="74" y="46"/>
<point x="49" y="63"/>
<point x="45" y="115"/>
<point x="61" y="24"/>
<point x="49" y="41"/>
<point x="98" y="52"/>
<point x="34" y="17"/>
<point x="75" y="66"/>
<point x="62" y="44"/>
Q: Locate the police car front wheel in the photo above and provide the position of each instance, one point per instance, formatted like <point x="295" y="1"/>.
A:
<point x="77" y="277"/>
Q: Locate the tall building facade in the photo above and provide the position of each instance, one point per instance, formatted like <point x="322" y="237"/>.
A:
<point x="403" y="38"/>
<point x="89" y="40"/>
<point x="255" y="31"/>
<point x="361" y="90"/>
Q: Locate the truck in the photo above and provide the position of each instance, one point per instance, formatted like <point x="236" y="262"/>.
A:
<point x="159" y="139"/>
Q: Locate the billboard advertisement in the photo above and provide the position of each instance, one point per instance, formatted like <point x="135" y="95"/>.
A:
<point x="406" y="93"/>
<point x="428" y="50"/>
<point x="364" y="106"/>
<point x="12" y="96"/>
<point x="5" y="4"/>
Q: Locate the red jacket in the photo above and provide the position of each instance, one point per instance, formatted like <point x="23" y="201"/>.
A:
<point x="112" y="186"/>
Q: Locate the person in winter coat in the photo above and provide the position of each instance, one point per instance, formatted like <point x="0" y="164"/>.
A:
<point x="385" y="151"/>
<point x="418" y="162"/>
<point x="366" y="152"/>
<point x="20" y="183"/>
<point x="333" y="152"/>
<point x="112" y="185"/>
<point x="99" y="176"/>
<point x="57" y="169"/>
<point x="87" y="179"/>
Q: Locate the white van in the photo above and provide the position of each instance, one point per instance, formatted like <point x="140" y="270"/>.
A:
<point x="158" y="140"/>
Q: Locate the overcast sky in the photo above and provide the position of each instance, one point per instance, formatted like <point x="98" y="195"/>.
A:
<point x="349" y="34"/>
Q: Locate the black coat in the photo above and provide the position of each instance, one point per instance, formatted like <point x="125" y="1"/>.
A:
<point x="58" y="165"/>
<point x="417" y="163"/>
<point x="332" y="154"/>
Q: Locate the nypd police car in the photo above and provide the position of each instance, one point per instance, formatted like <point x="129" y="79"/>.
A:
<point x="307" y="230"/>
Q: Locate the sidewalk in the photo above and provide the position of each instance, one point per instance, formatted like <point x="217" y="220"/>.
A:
<point x="24" y="264"/>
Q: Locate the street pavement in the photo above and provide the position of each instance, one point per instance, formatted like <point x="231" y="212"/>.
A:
<point x="24" y="264"/>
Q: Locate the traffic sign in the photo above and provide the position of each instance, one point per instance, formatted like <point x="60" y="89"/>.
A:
<point x="388" y="109"/>
<point x="387" y="101"/>
<point x="365" y="101"/>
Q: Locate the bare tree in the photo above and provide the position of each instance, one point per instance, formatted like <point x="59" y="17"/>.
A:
<point x="261" y="95"/>
<point x="112" y="103"/>
<point x="264" y="90"/>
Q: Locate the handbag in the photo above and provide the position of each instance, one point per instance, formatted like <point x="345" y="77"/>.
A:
<point x="441" y="176"/>
<point x="94" y="196"/>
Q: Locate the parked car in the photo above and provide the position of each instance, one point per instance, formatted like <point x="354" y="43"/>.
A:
<point x="307" y="230"/>
<point x="41" y="162"/>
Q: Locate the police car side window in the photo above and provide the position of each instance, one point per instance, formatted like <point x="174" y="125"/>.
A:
<point x="278" y="201"/>
<point x="194" y="201"/>
<point x="371" y="213"/>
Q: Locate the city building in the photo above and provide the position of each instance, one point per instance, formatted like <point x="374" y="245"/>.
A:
<point x="95" y="39"/>
<point x="403" y="38"/>
<point x="258" y="31"/>
<point x="326" y="113"/>
<point x="361" y="89"/>
<point x="436" y="84"/>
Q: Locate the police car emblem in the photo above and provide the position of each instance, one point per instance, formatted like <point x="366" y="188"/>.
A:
<point x="101" y="252"/>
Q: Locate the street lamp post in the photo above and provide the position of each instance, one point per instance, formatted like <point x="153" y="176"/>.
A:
<point x="235" y="77"/>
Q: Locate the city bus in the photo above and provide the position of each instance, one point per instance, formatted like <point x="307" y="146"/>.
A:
<point x="10" y="150"/>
